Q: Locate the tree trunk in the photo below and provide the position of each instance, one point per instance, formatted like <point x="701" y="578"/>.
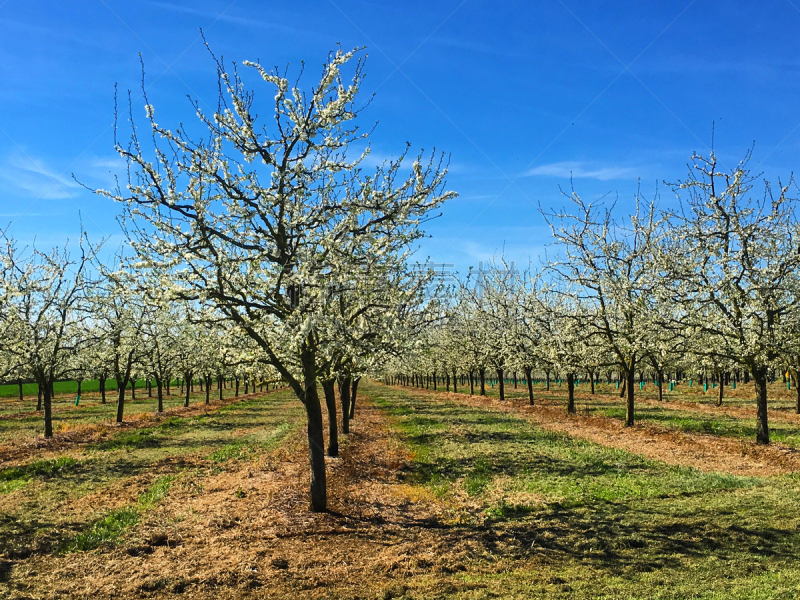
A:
<point x="629" y="405"/>
<point x="530" y="386"/>
<point x="48" y="410"/>
<point x="797" y="393"/>
<point x="344" y="394"/>
<point x="570" y="393"/>
<point x="236" y="393"/>
<point x="721" y="387"/>
<point x="353" y="394"/>
<point x="149" y="388"/>
<point x="472" y="383"/>
<point x="591" y="379"/>
<point x="447" y="380"/>
<point x="219" y="387"/>
<point x="762" y="423"/>
<point x="80" y="386"/>
<point x="19" y="383"/>
<point x="660" y="376"/>
<point x="547" y="380"/>
<point x="455" y="384"/>
<point x="121" y="399"/>
<point x="624" y="386"/>
<point x="160" y="393"/>
<point x="133" y="389"/>
<point x="186" y="397"/>
<point x="103" y="390"/>
<point x="500" y="383"/>
<point x="515" y="380"/>
<point x="316" y="441"/>
<point x="794" y="378"/>
<point x="328" y="387"/>
<point x="482" y="375"/>
<point x="208" y="388"/>
<point x="38" y="396"/>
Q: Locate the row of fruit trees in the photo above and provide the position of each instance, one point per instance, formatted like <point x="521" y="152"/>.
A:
<point x="261" y="248"/>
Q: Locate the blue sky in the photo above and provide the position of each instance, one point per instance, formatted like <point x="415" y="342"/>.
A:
<point x="521" y="94"/>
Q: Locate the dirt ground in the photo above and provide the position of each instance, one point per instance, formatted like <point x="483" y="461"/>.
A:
<point x="250" y="534"/>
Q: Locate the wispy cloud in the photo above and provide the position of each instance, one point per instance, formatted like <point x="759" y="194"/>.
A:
<point x="115" y="163"/>
<point x="225" y="17"/>
<point x="583" y="170"/>
<point x="33" y="176"/>
<point x="381" y="159"/>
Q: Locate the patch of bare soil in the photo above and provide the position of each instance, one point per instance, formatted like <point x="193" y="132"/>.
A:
<point x="705" y="452"/>
<point x="24" y="450"/>
<point x="248" y="533"/>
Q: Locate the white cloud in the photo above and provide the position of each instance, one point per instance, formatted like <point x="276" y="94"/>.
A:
<point x="116" y="163"/>
<point x="381" y="159"/>
<point x="582" y="170"/>
<point x="378" y="159"/>
<point x="36" y="178"/>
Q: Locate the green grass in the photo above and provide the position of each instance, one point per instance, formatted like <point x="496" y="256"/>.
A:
<point x="66" y="387"/>
<point x="721" y="424"/>
<point x="14" y="478"/>
<point x="6" y="487"/>
<point x="475" y="447"/>
<point x="779" y="397"/>
<point x="680" y="412"/>
<point x="110" y="528"/>
<point x="251" y="446"/>
<point x="104" y="531"/>
<point x="156" y="492"/>
<point x="39" y="468"/>
<point x="139" y="438"/>
<point x="550" y="516"/>
<point x="19" y="420"/>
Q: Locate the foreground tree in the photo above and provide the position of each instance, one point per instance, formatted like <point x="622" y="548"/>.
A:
<point x="249" y="215"/>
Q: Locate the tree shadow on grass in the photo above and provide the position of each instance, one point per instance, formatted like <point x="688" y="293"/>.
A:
<point x="616" y="538"/>
<point x="5" y="570"/>
<point x="658" y="522"/>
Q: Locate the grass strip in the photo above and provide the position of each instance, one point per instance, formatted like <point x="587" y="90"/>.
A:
<point x="248" y="448"/>
<point x="108" y="529"/>
<point x="14" y="478"/>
